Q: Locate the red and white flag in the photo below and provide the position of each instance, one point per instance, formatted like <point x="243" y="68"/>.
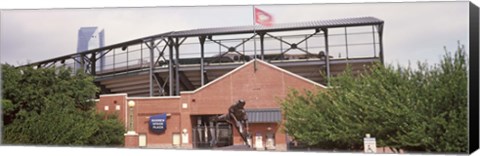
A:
<point x="263" y="18"/>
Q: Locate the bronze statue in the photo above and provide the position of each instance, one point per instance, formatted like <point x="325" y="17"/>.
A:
<point x="237" y="117"/>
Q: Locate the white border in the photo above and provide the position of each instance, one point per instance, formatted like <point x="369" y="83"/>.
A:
<point x="156" y="97"/>
<point x="82" y="151"/>
<point x="49" y="4"/>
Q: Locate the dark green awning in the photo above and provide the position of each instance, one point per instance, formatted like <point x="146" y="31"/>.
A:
<point x="269" y="115"/>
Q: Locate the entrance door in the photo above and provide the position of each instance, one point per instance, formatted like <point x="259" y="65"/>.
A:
<point x="209" y="134"/>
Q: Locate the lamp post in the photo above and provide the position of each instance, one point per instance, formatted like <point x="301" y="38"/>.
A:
<point x="131" y="104"/>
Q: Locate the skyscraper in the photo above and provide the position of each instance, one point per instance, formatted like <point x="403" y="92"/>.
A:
<point x="91" y="38"/>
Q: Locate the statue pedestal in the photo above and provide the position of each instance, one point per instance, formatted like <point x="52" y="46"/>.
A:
<point x="236" y="147"/>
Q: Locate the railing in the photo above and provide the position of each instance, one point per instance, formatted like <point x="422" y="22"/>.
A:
<point x="344" y="43"/>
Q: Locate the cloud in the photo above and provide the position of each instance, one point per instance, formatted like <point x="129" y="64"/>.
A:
<point x="413" y="31"/>
<point x="42" y="34"/>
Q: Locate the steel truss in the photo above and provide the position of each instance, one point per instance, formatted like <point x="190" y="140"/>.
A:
<point x="170" y="85"/>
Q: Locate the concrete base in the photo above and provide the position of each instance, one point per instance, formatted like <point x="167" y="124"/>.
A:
<point x="281" y="147"/>
<point x="131" y="133"/>
<point x="270" y="148"/>
<point x="169" y="146"/>
<point x="131" y="140"/>
<point x="236" y="147"/>
<point x="260" y="148"/>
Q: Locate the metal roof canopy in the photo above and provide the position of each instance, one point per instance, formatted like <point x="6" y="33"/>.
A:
<point x="272" y="115"/>
<point x="173" y="40"/>
<point x="319" y="24"/>
<point x="345" y="22"/>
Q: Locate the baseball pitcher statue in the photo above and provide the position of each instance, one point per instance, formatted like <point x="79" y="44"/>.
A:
<point x="237" y="117"/>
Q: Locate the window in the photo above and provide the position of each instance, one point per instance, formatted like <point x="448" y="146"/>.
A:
<point x="142" y="140"/>
<point x="117" y="107"/>
<point x="176" y="139"/>
<point x="106" y="108"/>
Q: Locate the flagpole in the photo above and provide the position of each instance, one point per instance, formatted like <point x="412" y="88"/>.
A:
<point x="254" y="41"/>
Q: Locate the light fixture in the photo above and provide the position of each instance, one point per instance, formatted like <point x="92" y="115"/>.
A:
<point x="131" y="130"/>
<point x="131" y="103"/>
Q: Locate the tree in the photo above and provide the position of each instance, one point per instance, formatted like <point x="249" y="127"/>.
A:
<point x="423" y="109"/>
<point x="52" y="106"/>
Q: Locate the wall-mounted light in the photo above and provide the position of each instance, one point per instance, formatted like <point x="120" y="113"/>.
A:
<point x="131" y="104"/>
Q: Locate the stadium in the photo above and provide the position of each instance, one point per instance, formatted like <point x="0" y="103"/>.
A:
<point x="167" y="87"/>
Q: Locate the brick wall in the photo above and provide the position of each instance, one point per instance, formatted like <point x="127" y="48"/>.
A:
<point x="260" y="88"/>
<point x="112" y="101"/>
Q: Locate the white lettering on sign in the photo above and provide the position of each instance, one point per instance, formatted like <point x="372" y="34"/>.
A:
<point x="158" y="120"/>
<point x="157" y="124"/>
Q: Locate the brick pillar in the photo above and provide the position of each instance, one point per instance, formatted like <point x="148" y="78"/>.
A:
<point x="131" y="140"/>
<point x="186" y="123"/>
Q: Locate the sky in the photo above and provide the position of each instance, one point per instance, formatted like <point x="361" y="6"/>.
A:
<point x="413" y="31"/>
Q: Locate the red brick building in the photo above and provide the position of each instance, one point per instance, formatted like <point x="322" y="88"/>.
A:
<point x="260" y="84"/>
<point x="167" y="100"/>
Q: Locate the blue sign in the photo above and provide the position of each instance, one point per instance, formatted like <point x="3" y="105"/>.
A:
<point x="158" y="123"/>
